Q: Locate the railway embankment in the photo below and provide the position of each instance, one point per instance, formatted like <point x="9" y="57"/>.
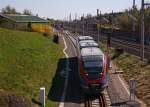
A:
<point x="133" y="68"/>
<point x="28" y="61"/>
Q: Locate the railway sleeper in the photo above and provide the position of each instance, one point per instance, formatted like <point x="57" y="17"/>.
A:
<point x="95" y="101"/>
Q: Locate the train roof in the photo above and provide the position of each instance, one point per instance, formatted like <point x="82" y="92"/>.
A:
<point x="87" y="41"/>
<point x="91" y="51"/>
<point x="88" y="44"/>
<point x="80" y="38"/>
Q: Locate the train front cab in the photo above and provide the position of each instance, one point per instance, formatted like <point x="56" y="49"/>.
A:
<point x="94" y="87"/>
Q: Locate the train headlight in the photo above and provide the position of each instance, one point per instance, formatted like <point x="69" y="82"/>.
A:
<point x="85" y="76"/>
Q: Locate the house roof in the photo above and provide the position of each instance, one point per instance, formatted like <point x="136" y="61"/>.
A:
<point x="24" y="18"/>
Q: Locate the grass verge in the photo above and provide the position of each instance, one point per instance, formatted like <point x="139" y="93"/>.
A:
<point x="28" y="61"/>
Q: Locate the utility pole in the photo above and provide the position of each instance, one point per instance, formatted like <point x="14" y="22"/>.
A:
<point x="112" y="22"/>
<point x="70" y="21"/>
<point x="83" y="24"/>
<point x="76" y="23"/>
<point x="133" y="15"/>
<point x="100" y="20"/>
<point x="88" y="18"/>
<point x="98" y="25"/>
<point x="133" y="4"/>
<point x="143" y="29"/>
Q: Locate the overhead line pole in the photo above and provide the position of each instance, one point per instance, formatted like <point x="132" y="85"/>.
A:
<point x="76" y="23"/>
<point x="98" y="26"/>
<point x="100" y="20"/>
<point x="112" y="22"/>
<point x="70" y="21"/>
<point x="133" y="15"/>
<point x="83" y="24"/>
<point x="143" y="29"/>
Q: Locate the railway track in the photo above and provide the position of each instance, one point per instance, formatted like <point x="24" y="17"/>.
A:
<point x="129" y="47"/>
<point x="91" y="101"/>
<point x="95" y="101"/>
<point x="132" y="48"/>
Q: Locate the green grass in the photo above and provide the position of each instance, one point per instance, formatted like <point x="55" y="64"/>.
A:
<point x="28" y="61"/>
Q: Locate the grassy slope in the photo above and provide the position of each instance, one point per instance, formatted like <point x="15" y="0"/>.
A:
<point x="27" y="62"/>
<point x="133" y="67"/>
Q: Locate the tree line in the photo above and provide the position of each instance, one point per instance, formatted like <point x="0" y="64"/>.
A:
<point x="125" y="22"/>
<point x="11" y="10"/>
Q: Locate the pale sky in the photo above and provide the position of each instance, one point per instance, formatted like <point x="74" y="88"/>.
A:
<point x="60" y="9"/>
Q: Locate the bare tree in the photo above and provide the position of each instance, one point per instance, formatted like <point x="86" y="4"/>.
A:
<point x="27" y="12"/>
<point x="9" y="10"/>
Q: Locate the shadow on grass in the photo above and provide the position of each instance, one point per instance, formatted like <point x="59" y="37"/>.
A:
<point x="73" y="90"/>
<point x="36" y="102"/>
<point x="118" y="104"/>
<point x="58" y="82"/>
<point x="117" y="53"/>
<point x="127" y="104"/>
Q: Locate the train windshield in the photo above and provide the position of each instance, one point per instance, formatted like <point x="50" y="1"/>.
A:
<point x="93" y="64"/>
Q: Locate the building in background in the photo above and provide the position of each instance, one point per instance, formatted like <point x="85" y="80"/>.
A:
<point x="20" y="22"/>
